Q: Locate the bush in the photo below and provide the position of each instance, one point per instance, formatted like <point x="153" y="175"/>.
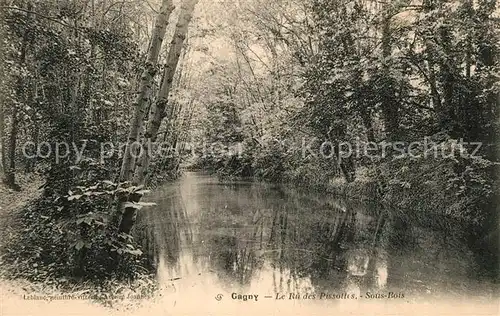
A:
<point x="455" y="186"/>
<point x="73" y="234"/>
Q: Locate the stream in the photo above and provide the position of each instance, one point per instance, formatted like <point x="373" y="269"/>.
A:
<point x="238" y="241"/>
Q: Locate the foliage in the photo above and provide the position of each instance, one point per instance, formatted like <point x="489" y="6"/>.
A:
<point x="362" y="72"/>
<point x="69" y="94"/>
<point x="457" y="187"/>
<point x="70" y="235"/>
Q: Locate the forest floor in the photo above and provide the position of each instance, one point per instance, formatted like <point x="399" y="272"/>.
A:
<point x="11" y="202"/>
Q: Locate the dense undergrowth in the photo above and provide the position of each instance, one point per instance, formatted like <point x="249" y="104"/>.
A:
<point x="65" y="239"/>
<point x="62" y="246"/>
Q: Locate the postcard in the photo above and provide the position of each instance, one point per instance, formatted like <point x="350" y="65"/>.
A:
<point x="249" y="157"/>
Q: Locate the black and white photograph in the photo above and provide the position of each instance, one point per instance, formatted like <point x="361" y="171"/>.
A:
<point x="249" y="157"/>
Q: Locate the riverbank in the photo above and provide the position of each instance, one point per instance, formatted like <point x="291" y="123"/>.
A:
<point x="439" y="195"/>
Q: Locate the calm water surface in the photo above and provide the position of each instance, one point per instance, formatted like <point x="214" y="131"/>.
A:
<point x="238" y="238"/>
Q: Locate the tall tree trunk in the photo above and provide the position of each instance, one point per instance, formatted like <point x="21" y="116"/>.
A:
<point x="10" y="169"/>
<point x="487" y="58"/>
<point x="389" y="105"/>
<point x="428" y="6"/>
<point x="140" y="104"/>
<point x="448" y="117"/>
<point x="10" y="174"/>
<point x="366" y="116"/>
<point x="158" y="109"/>
<point x="3" y="161"/>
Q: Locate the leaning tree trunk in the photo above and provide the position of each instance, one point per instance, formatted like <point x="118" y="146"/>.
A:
<point x="148" y="74"/>
<point x="141" y="102"/>
<point x="158" y="110"/>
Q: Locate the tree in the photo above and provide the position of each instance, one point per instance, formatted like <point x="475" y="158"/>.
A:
<point x="3" y="83"/>
<point x="140" y="104"/>
<point x="10" y="169"/>
<point x="158" y="112"/>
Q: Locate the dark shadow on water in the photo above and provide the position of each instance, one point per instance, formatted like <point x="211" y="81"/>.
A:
<point x="300" y="241"/>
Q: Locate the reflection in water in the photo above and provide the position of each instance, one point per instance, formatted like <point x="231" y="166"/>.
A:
<point x="246" y="237"/>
